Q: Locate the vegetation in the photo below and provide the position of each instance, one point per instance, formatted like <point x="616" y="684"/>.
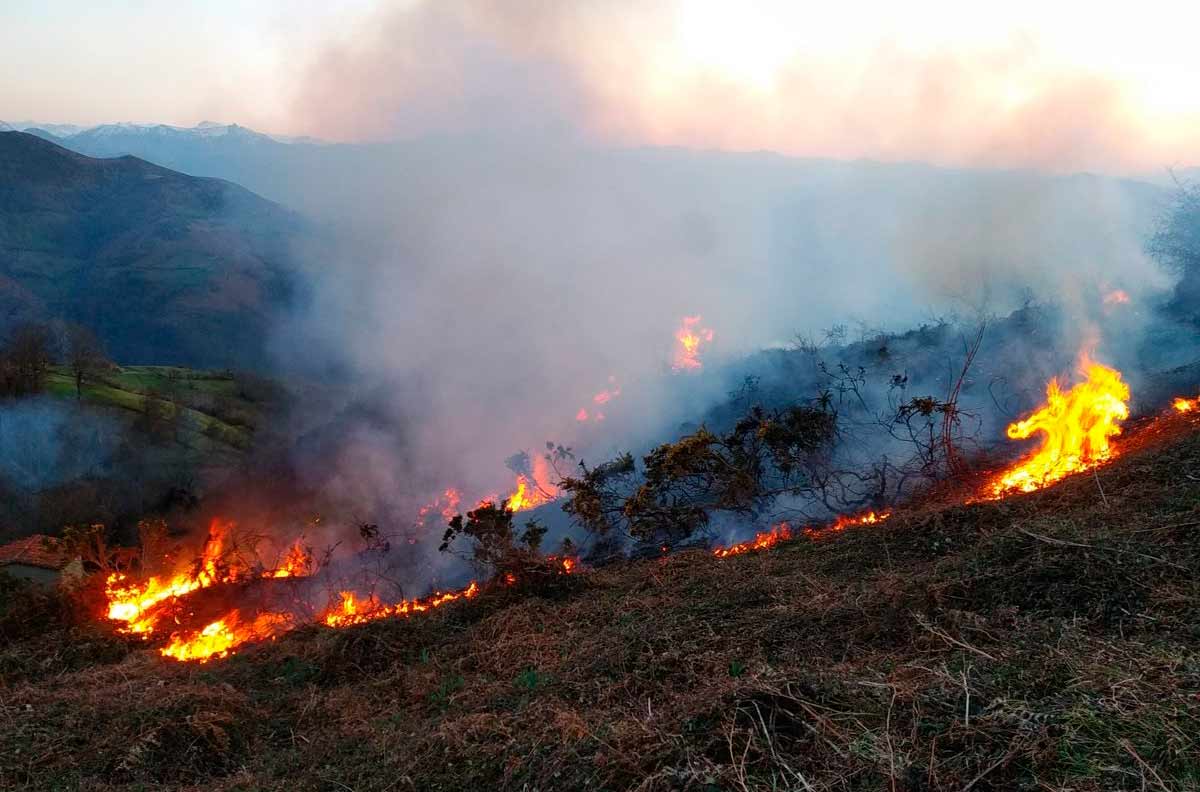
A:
<point x="1176" y="245"/>
<point x="1040" y="642"/>
<point x="795" y="451"/>
<point x="90" y="441"/>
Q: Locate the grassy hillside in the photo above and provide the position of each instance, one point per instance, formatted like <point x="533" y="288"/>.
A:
<point x="1042" y="642"/>
<point x="212" y="410"/>
<point x="132" y="444"/>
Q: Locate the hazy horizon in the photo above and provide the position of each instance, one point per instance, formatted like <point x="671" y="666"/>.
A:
<point x="1067" y="89"/>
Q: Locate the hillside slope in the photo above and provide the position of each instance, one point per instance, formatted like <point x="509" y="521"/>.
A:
<point x="166" y="268"/>
<point x="1041" y="642"/>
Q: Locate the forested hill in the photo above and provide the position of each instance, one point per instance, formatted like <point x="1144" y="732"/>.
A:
<point x="164" y="267"/>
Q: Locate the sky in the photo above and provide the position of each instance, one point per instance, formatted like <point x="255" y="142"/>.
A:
<point x="1061" y="86"/>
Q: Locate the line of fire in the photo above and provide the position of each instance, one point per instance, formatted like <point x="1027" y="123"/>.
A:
<point x="210" y="603"/>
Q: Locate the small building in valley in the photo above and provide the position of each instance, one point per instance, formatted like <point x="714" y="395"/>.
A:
<point x="40" y="558"/>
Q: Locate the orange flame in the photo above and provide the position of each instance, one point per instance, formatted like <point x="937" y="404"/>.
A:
<point x="1116" y="297"/>
<point x="531" y="494"/>
<point x="1185" y="405"/>
<point x="761" y="541"/>
<point x="869" y="518"/>
<point x="128" y="601"/>
<point x="352" y="610"/>
<point x="297" y="563"/>
<point x="1076" y="427"/>
<point x="690" y="339"/>
<point x="133" y="602"/>
<point x="222" y="636"/>
<point x="782" y="532"/>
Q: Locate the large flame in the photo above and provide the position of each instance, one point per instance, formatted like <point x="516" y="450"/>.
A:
<point x="222" y="636"/>
<point x="1076" y="427"/>
<point x="690" y="338"/>
<point x="129" y="600"/>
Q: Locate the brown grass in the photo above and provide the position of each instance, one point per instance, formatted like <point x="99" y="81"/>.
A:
<point x="1041" y="642"/>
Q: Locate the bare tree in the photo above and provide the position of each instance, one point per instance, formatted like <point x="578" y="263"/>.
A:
<point x="24" y="360"/>
<point x="85" y="355"/>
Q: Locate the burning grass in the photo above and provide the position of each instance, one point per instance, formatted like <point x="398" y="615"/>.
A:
<point x="1048" y="641"/>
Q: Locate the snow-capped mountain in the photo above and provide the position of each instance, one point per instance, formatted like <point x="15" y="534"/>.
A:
<point x="125" y="129"/>
<point x="57" y="130"/>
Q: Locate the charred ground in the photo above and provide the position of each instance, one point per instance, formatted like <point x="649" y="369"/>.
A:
<point x="1044" y="641"/>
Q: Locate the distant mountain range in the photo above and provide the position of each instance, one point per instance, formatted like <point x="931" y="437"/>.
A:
<point x="76" y="134"/>
<point x="164" y="267"/>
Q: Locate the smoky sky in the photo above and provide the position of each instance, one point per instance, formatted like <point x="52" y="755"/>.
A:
<point x="510" y="244"/>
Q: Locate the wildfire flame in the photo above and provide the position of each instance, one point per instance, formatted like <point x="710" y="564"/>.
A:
<point x="869" y="518"/>
<point x="531" y="494"/>
<point x="783" y="532"/>
<point x="1076" y="426"/>
<point x="128" y="601"/>
<point x="690" y="338"/>
<point x="1116" y="297"/>
<point x="221" y="637"/>
<point x="761" y="541"/>
<point x="603" y="397"/>
<point x="352" y="610"/>
<point x="1185" y="405"/>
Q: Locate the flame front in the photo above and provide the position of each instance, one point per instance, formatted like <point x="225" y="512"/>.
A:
<point x="352" y="610"/>
<point x="1076" y="426"/>
<point x="761" y="541"/>
<point x="222" y="636"/>
<point x="782" y="532"/>
<point x="129" y="601"/>
<point x="1186" y="405"/>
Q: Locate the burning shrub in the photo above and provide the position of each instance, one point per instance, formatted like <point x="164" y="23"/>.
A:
<point x="496" y="548"/>
<point x="767" y="453"/>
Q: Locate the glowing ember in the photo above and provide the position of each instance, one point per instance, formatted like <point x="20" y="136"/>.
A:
<point x="690" y="338"/>
<point x="567" y="563"/>
<point x="1116" y="297"/>
<point x="1076" y="427"/>
<point x="582" y="415"/>
<point x="297" y="563"/>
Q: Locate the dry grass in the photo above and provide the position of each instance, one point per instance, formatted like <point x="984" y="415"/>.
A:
<point x="1044" y="642"/>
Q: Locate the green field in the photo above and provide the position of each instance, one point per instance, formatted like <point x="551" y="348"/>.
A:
<point x="209" y="410"/>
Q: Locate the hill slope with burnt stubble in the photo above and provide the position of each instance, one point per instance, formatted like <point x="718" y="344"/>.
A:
<point x="1047" y="641"/>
